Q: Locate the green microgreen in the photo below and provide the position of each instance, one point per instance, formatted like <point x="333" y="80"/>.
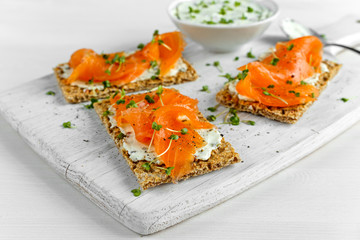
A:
<point x="274" y="61"/>
<point x="168" y="170"/>
<point x="218" y="66"/>
<point x="136" y="192"/>
<point x="290" y="47"/>
<point x="132" y="104"/>
<point x="248" y="122"/>
<point x="107" y="113"/>
<point x="156" y="126"/>
<point x="91" y="105"/>
<point x="106" y="84"/>
<point x="250" y="55"/>
<point x="121" y="136"/>
<point x="68" y="125"/>
<point x="141" y="46"/>
<point x="184" y="131"/>
<point x="174" y="137"/>
<point x="205" y="88"/>
<point x="149" y="99"/>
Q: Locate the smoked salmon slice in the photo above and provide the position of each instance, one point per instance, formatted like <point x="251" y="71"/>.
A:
<point x="176" y="140"/>
<point x="278" y="79"/>
<point x="163" y="52"/>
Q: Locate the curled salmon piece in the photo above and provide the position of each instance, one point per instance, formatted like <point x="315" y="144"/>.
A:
<point x="278" y="79"/>
<point x="119" y="68"/>
<point x="173" y="114"/>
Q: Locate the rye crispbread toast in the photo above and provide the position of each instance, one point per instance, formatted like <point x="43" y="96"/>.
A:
<point x="221" y="157"/>
<point x="75" y="94"/>
<point x="283" y="114"/>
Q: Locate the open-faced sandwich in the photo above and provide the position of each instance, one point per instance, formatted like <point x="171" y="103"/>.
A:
<point x="283" y="83"/>
<point x="90" y="75"/>
<point x="163" y="136"/>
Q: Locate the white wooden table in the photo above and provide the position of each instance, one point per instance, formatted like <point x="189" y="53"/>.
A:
<point x="317" y="198"/>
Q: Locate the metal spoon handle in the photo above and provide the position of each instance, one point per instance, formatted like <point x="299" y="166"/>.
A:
<point x="343" y="46"/>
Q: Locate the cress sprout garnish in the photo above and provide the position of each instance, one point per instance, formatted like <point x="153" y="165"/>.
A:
<point x="136" y="192"/>
<point x="250" y="55"/>
<point x="132" y="104"/>
<point x="68" y="125"/>
<point x="205" y="88"/>
<point x="274" y="61"/>
<point x="91" y="105"/>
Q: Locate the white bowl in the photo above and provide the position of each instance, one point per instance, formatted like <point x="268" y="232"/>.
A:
<point x="224" y="38"/>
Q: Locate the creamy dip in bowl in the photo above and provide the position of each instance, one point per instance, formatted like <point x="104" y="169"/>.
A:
<point x="222" y="25"/>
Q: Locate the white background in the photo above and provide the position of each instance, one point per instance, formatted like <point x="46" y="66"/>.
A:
<point x="317" y="198"/>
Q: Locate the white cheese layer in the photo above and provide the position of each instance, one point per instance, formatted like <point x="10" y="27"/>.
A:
<point x="139" y="151"/>
<point x="311" y="80"/>
<point x="180" y="66"/>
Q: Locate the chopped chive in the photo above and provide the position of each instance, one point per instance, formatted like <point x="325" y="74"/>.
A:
<point x="297" y="94"/>
<point x="303" y="83"/>
<point x="237" y="4"/>
<point x="236" y="58"/>
<point x="344" y="99"/>
<point x="108" y="72"/>
<point x="91" y="81"/>
<point x="116" y="93"/>
<point x="289" y="82"/>
<point x="250" y="9"/>
<point x="270" y="86"/>
<point x="313" y="95"/>
<point x="51" y="93"/>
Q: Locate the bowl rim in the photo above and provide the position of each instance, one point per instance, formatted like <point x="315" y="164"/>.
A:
<point x="177" y="2"/>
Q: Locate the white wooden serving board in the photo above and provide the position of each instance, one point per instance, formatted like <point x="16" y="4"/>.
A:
<point x="87" y="157"/>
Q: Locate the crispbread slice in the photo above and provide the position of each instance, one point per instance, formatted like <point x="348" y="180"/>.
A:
<point x="75" y="94"/>
<point x="221" y="157"/>
<point x="283" y="114"/>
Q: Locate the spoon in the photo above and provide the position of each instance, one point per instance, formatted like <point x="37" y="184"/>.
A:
<point x="294" y="29"/>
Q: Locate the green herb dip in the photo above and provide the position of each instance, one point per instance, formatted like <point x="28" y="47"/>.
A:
<point x="221" y="12"/>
